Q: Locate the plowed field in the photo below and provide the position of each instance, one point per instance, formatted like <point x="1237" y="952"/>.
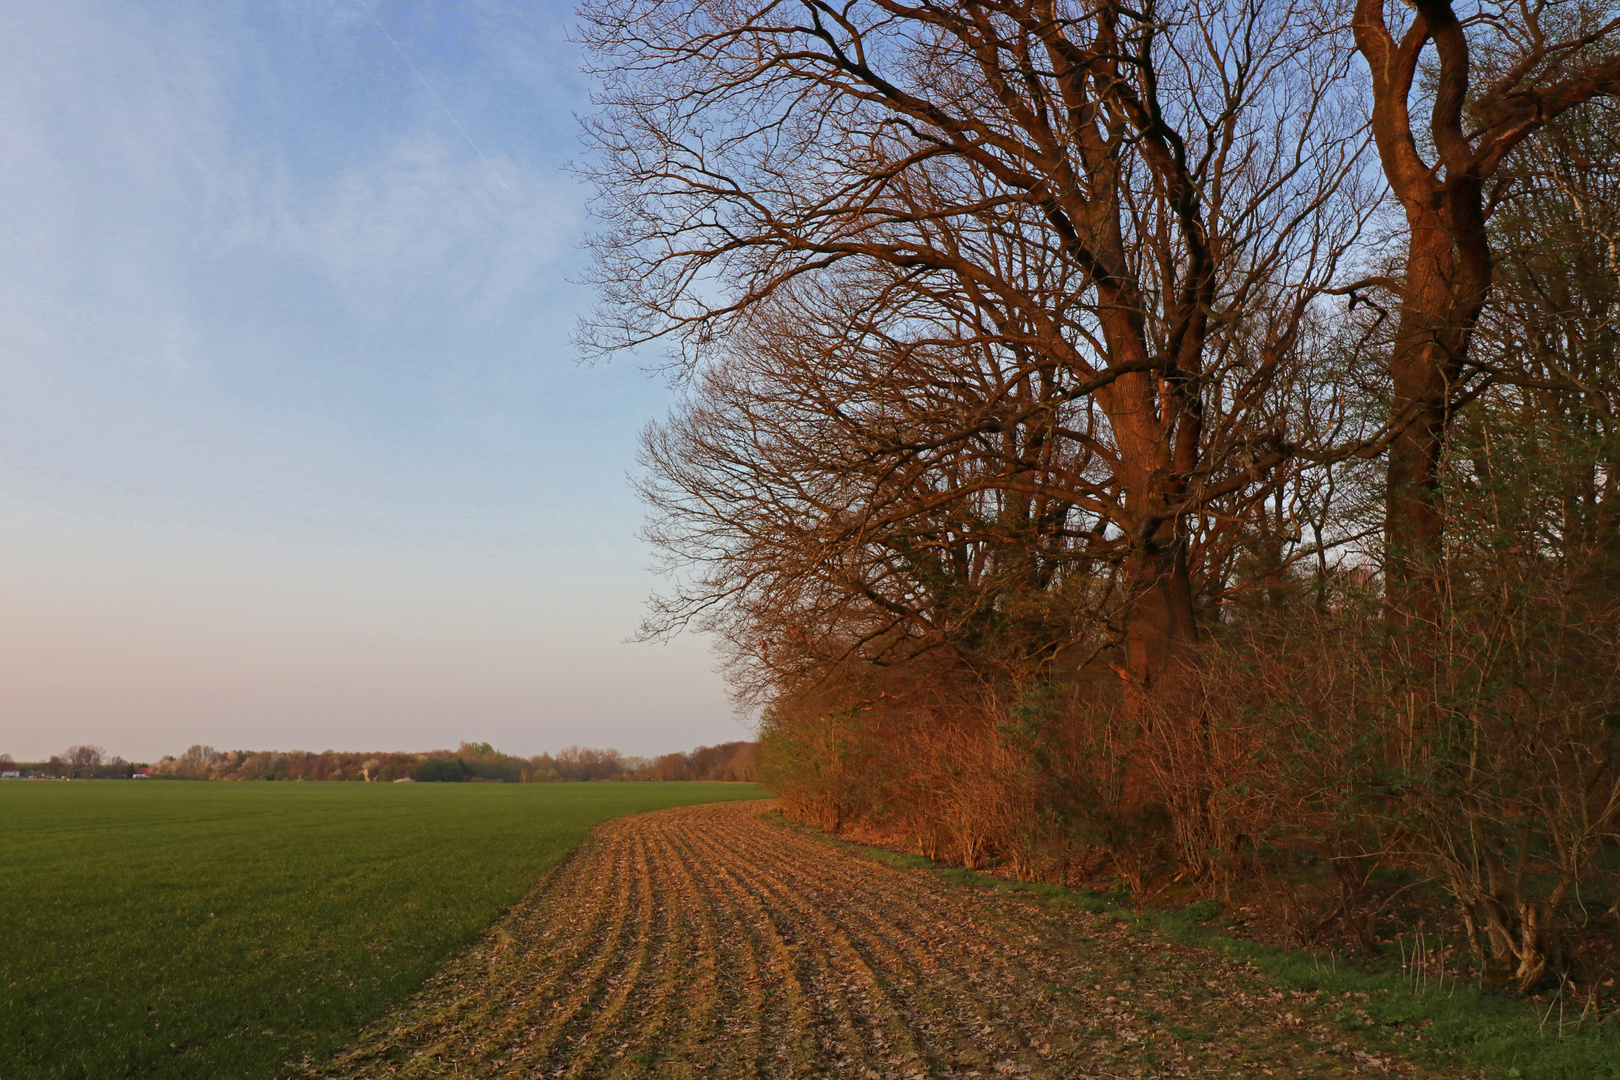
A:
<point x="708" y="942"/>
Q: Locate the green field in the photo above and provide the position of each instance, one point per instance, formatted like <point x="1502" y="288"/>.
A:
<point x="214" y="930"/>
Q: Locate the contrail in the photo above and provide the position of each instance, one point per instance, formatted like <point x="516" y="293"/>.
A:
<point x="429" y="88"/>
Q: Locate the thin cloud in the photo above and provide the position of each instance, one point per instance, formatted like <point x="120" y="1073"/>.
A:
<point x="401" y="53"/>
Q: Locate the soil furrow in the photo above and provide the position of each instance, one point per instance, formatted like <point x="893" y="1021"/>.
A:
<point x="902" y="954"/>
<point x="692" y="992"/>
<point x="594" y="951"/>
<point x="619" y="977"/>
<point x="710" y="942"/>
<point x="790" y="1018"/>
<point x="750" y="984"/>
<point x="868" y="1013"/>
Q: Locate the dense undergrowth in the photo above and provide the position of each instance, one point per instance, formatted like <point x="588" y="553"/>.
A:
<point x="1341" y="792"/>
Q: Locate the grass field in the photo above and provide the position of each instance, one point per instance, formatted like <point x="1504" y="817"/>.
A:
<point x="216" y="930"/>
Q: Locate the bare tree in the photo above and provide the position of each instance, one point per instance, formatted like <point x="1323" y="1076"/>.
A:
<point x="1522" y="788"/>
<point x="1133" y="206"/>
<point x="1534" y="61"/>
<point x="819" y="490"/>
<point x="80" y="761"/>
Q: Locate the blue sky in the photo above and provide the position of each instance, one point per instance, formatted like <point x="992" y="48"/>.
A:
<point x="294" y="448"/>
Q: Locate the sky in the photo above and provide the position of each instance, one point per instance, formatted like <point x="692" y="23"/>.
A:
<point x="295" y="450"/>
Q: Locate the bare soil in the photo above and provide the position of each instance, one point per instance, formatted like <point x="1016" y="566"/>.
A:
<point x="709" y="942"/>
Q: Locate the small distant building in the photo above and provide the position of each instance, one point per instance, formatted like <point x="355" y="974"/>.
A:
<point x="11" y="774"/>
<point x="141" y="774"/>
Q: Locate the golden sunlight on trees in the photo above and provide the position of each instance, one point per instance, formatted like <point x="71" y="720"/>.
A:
<point x="1169" y="444"/>
<point x="1056" y="270"/>
<point x="1497" y="77"/>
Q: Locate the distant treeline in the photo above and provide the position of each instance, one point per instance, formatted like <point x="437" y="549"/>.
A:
<point x="74" y="763"/>
<point x="476" y="762"/>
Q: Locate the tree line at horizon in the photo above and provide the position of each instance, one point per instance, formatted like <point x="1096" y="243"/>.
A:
<point x="1168" y="443"/>
<point x="476" y="762"/>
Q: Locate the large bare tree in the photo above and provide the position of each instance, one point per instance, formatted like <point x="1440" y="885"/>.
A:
<point x="1134" y="205"/>
<point x="835" y="495"/>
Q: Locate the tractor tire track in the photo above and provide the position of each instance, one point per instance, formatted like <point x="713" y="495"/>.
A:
<point x="709" y="941"/>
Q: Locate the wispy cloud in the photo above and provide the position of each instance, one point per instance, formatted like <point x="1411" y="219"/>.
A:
<point x="423" y="229"/>
<point x="179" y="272"/>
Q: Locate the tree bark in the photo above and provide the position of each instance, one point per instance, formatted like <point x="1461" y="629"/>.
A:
<point x="1440" y="307"/>
<point x="1160" y="621"/>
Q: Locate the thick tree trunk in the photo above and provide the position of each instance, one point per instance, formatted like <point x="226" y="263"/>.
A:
<point x="1157" y="438"/>
<point x="1429" y="346"/>
<point x="1160" y="621"/>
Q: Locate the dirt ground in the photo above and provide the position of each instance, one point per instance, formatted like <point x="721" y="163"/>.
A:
<point x="710" y="942"/>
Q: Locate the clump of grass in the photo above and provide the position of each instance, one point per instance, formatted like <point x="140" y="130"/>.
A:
<point x="218" y="930"/>
<point x="1203" y="911"/>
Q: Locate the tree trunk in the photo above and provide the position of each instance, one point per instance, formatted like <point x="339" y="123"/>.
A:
<point x="1157" y="437"/>
<point x="1160" y="621"/>
<point x="1429" y="345"/>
